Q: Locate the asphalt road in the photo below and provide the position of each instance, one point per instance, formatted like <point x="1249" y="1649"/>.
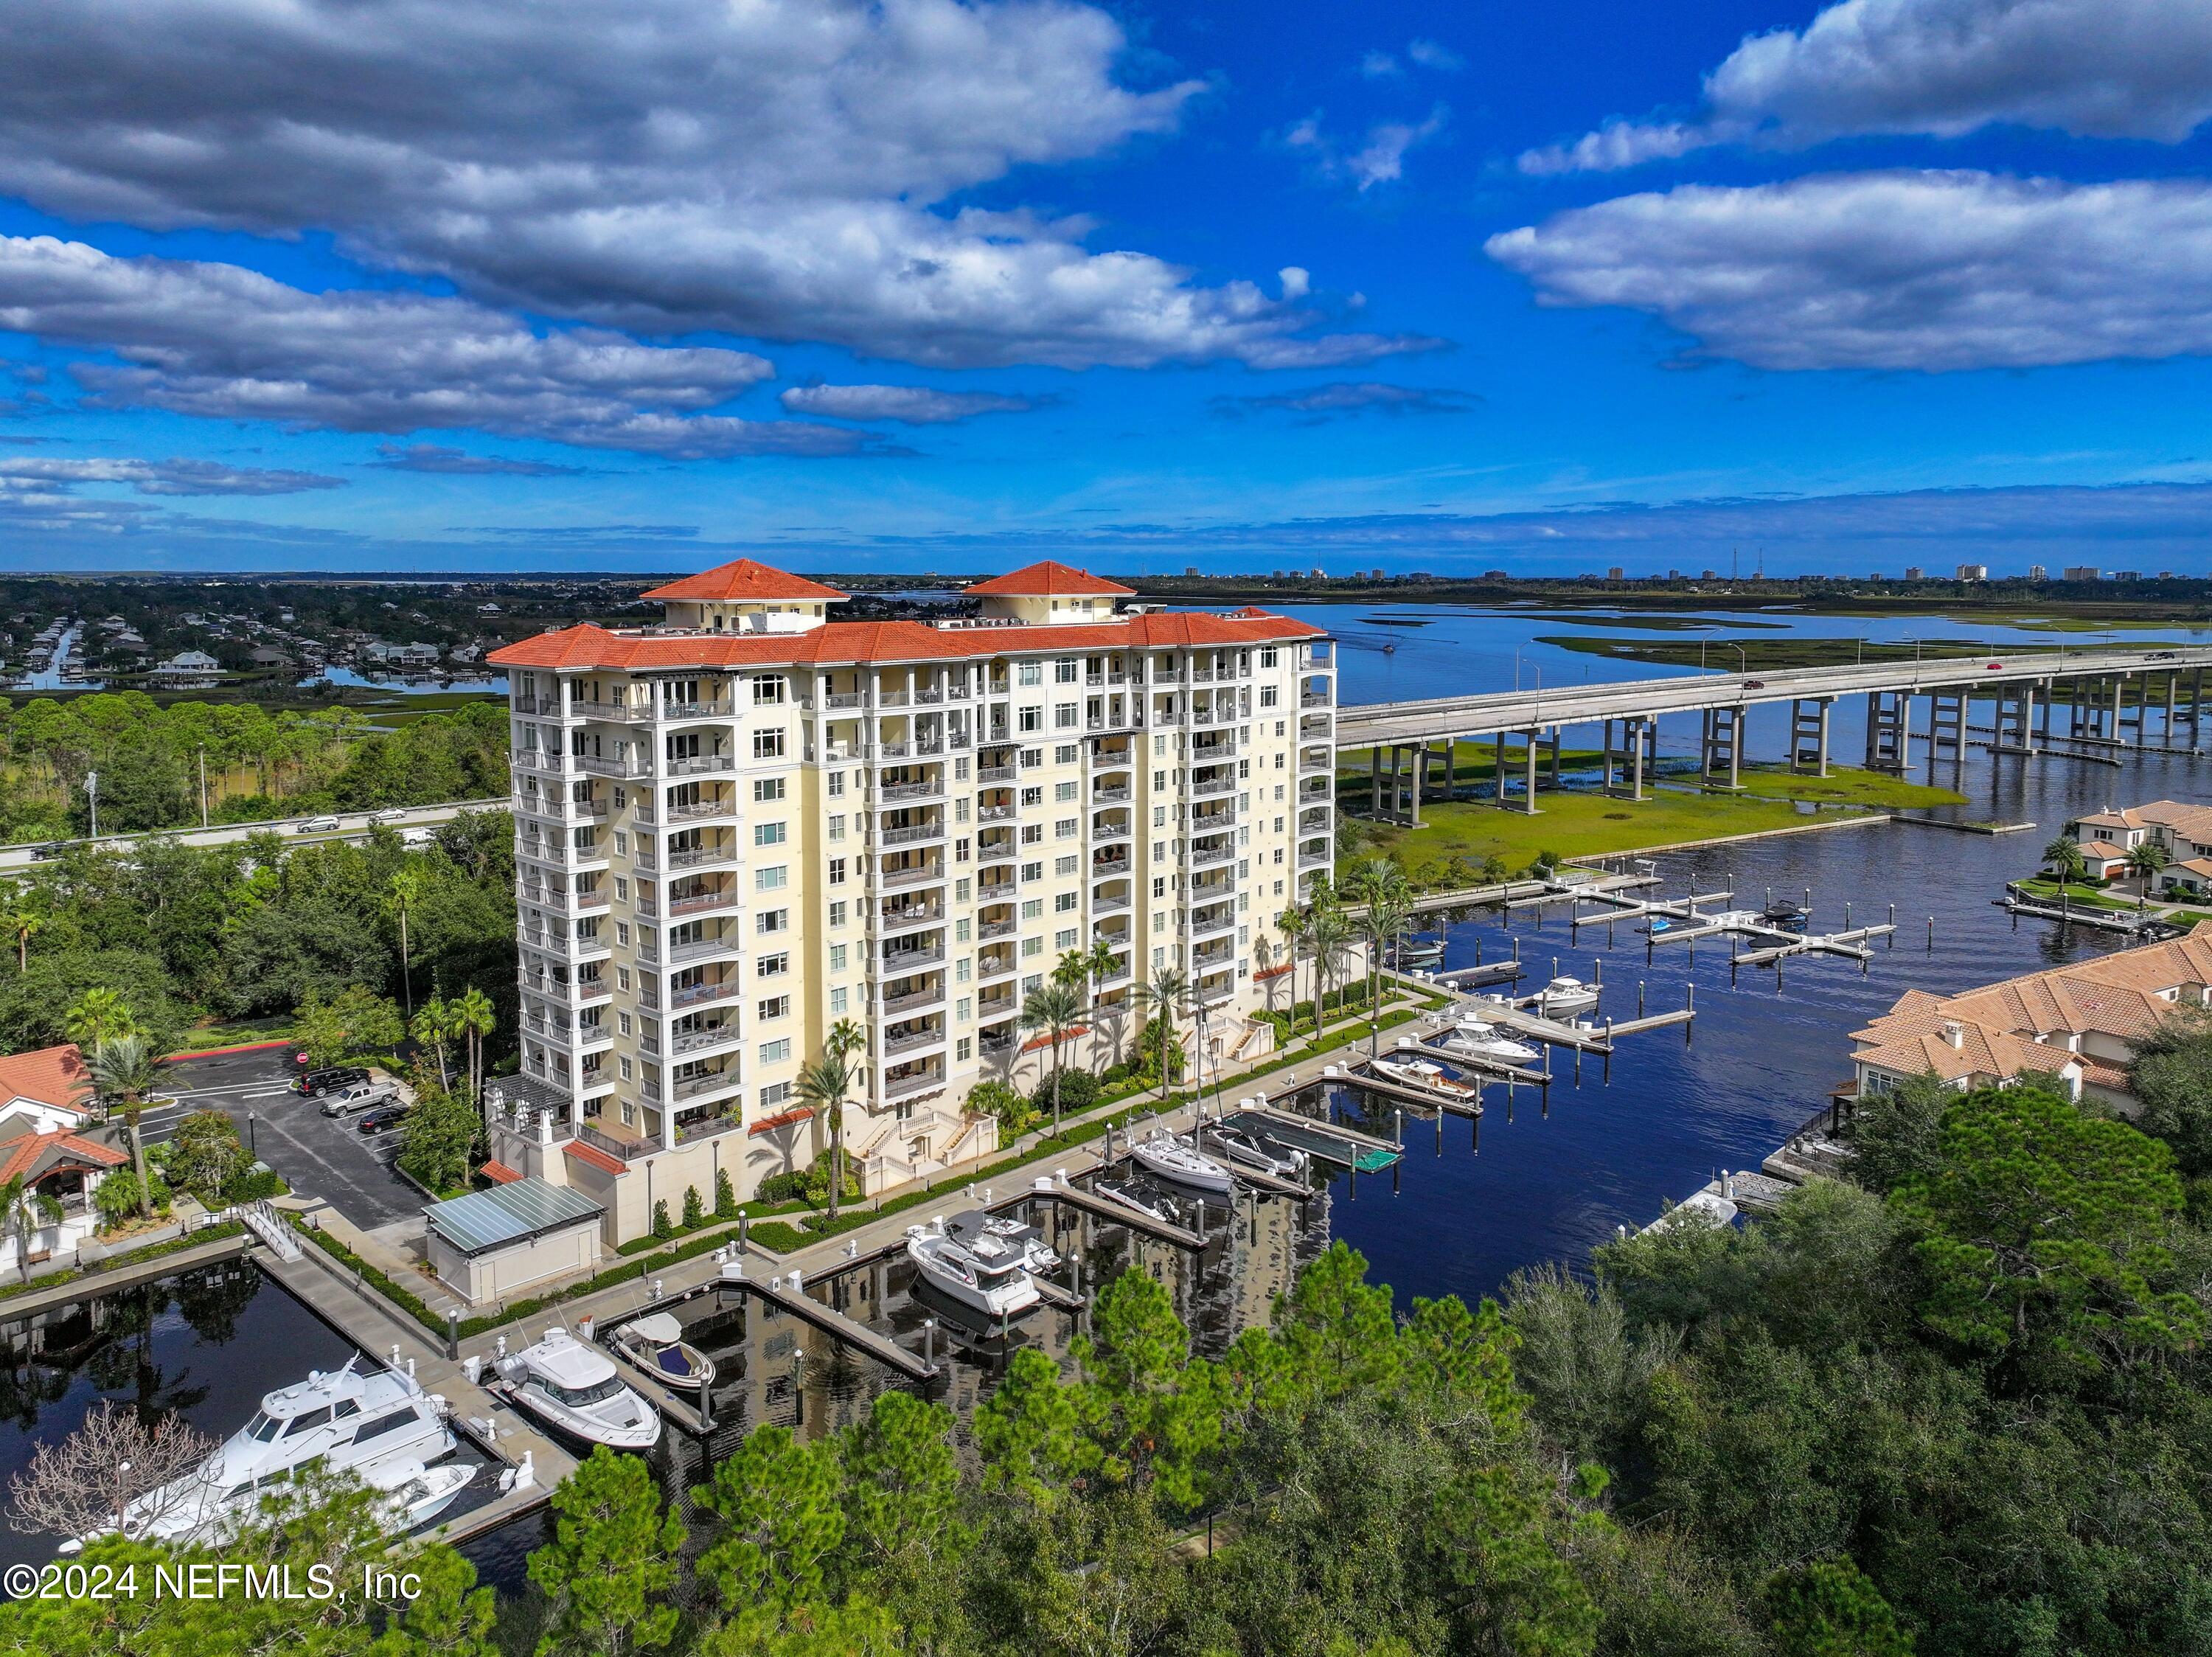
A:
<point x="352" y="826"/>
<point x="316" y="1154"/>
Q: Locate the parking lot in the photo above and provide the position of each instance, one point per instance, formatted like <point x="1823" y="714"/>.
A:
<point x="317" y="1155"/>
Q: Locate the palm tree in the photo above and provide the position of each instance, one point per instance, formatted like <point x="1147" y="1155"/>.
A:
<point x="824" y="1085"/>
<point x="1380" y="885"/>
<point x="23" y="921"/>
<point x="101" y="1016"/>
<point x="23" y="1209"/>
<point x="474" y="1019"/>
<point x="2063" y="857"/>
<point x="1330" y="935"/>
<point x="2144" y="863"/>
<point x="432" y="1027"/>
<point x="124" y="1072"/>
<point x="1292" y="924"/>
<point x="401" y="897"/>
<point x="1164" y="993"/>
<point x="1058" y="1007"/>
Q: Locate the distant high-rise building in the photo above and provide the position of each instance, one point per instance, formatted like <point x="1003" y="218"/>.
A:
<point x="2127" y="574"/>
<point x="1973" y="572"/>
<point x="2035" y="572"/>
<point x="2083" y="572"/>
<point x="1616" y="573"/>
<point x="1708" y="574"/>
<point x="1673" y="574"/>
<point x="1190" y="569"/>
<point x="1374" y="574"/>
<point x="1912" y="572"/>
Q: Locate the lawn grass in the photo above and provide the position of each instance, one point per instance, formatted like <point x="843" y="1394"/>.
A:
<point x="1574" y="825"/>
<point x="2080" y="895"/>
<point x="1845" y="786"/>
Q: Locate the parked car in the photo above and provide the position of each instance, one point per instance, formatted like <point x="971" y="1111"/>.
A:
<point x="317" y="826"/>
<point x="360" y="1096"/>
<point x="384" y="1118"/>
<point x="314" y="1083"/>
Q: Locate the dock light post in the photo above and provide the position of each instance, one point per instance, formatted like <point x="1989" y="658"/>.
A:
<point x="252" y="1148"/>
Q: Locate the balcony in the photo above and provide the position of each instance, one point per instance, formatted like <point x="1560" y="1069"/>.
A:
<point x="911" y="834"/>
<point x="995" y="891"/>
<point x="1315" y="699"/>
<point x="994" y="814"/>
<point x="997" y="1041"/>
<point x="1207" y="856"/>
<point x="703" y="1039"/>
<point x="931" y="789"/>
<point x="1312" y="859"/>
<point x="625" y="1144"/>
<point x="913" y="1081"/>
<point x="989" y="966"/>
<point x="706" y="1126"/>
<point x="1316" y="758"/>
<point x="1315" y="787"/>
<point x="1219" y="820"/>
<point x="920" y="874"/>
<point x="997" y="774"/>
<point x="1212" y="787"/>
<point x="932" y="995"/>
<point x="911" y="1041"/>
<point x="1117" y="863"/>
<point x="698" y="857"/>
<point x="697" y="903"/>
<point x="1101" y="907"/>
<point x="898" y="961"/>
<point x="723" y="710"/>
<point x="842" y="699"/>
<point x="906" y="917"/>
<point x="1108" y="759"/>
<point x="698" y="995"/>
<point x="701" y="949"/>
<point x="1214" y="922"/>
<point x="710" y="1081"/>
<point x="703" y="811"/>
<point x="1211" y="955"/>
<point x="699" y="764"/>
<point x="1111" y="829"/>
<point x="1117" y="794"/>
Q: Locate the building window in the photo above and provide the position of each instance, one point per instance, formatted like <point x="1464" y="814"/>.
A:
<point x="768" y="690"/>
<point x="1034" y="981"/>
<point x="774" y="1095"/>
<point x="768" y="745"/>
<point x="1033" y="796"/>
<point x="960" y="929"/>
<point x="1032" y="756"/>
<point x="777" y="1051"/>
<point x="771" y="880"/>
<point x="1267" y="696"/>
<point x="767" y="790"/>
<point x="1066" y="754"/>
<point x="622" y="931"/>
<point x="1159" y="816"/>
<point x="625" y="1068"/>
<point x="1032" y="719"/>
<point x="1031" y="673"/>
<point x="837" y="1001"/>
<point x="1032" y="834"/>
<point x="773" y="967"/>
<point x="1066" y="715"/>
<point x="1065" y="791"/>
<point x="837" y="913"/>
<point x="962" y="1012"/>
<point x="1267" y="657"/>
<point x="775" y="1007"/>
<point x="1159" y="886"/>
<point x="960" y="970"/>
<point x="836" y="957"/>
<point x="965" y="1047"/>
<point x="1032" y="908"/>
<point x="1063" y="672"/>
<point x="768" y="834"/>
<point x="836" y="871"/>
<point x="1032" y="947"/>
<point x="1067" y="828"/>
<point x="837" y="828"/>
<point x="1032" y="871"/>
<point x="837" y="785"/>
<point x="1064" y="866"/>
<point x="772" y="920"/>
<point x="960" y="890"/>
<point x="1064" y="940"/>
<point x="1066" y="901"/>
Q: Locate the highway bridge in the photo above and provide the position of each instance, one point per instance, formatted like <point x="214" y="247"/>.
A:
<point x="2040" y="702"/>
<point x="303" y="829"/>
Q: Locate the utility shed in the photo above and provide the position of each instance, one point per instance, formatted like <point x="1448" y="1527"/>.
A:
<point x="490" y="1243"/>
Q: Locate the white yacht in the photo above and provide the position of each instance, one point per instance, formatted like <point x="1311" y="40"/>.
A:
<point x="570" y="1386"/>
<point x="364" y="1423"/>
<point x="1037" y="1255"/>
<point x="1431" y="1078"/>
<point x="411" y="1495"/>
<point x="1249" y="1150"/>
<point x="1169" y="1159"/>
<point x="1477" y="1038"/>
<point x="983" y="1270"/>
<point x="1566" y="995"/>
<point x="655" y="1343"/>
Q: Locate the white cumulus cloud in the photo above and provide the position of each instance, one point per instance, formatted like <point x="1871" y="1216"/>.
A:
<point x="1900" y="270"/>
<point x="1378" y="158"/>
<point x="21" y="472"/>
<point x="778" y="168"/>
<point x="913" y="406"/>
<point x="2101" y="69"/>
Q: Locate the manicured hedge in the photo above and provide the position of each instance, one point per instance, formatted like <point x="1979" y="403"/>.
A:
<point x="115" y="1262"/>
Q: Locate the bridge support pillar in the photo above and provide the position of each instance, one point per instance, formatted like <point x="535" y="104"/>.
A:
<point x="1529" y="772"/>
<point x="2126" y="718"/>
<point x="1553" y="745"/>
<point x="1946" y="728"/>
<point x="2195" y="703"/>
<point x="2014" y="724"/>
<point x="1375" y="781"/>
<point x="1624" y="756"/>
<point x="1889" y="730"/>
<point x="1498" y="769"/>
<point x="1722" y="763"/>
<point x="2166" y="729"/>
<point x="1421" y="768"/>
<point x="1808" y="735"/>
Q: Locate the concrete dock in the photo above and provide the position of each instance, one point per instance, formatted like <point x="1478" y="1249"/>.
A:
<point x="780" y="1295"/>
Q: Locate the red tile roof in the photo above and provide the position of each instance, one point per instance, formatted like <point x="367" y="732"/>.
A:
<point x="22" y="1155"/>
<point x="499" y="1174"/>
<point x="744" y="581"/>
<point x="770" y="1124"/>
<point x="592" y="1154"/>
<point x="50" y="1076"/>
<point x="852" y="644"/>
<point x="1051" y="580"/>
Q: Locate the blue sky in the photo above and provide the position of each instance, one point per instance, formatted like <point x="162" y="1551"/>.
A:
<point x="447" y="284"/>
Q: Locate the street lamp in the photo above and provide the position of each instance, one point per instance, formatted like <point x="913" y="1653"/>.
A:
<point x="252" y="1148"/>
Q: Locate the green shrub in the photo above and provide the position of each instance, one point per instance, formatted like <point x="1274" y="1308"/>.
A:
<point x="1004" y="1102"/>
<point x="726" y="1199"/>
<point x="660" y="1225"/>
<point x="695" y="1210"/>
<point x="1078" y="1092"/>
<point x="783" y="1187"/>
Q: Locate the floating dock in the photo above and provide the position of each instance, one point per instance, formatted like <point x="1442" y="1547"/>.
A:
<point x="780" y="1294"/>
<point x="1330" y="1141"/>
<point x="1851" y="945"/>
<point x="1111" y="1212"/>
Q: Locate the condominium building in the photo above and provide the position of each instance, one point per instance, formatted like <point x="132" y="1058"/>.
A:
<point x="737" y="829"/>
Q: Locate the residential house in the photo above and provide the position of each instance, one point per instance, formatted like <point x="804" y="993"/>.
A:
<point x="46" y="1137"/>
<point x="2073" y="1029"/>
<point x="2183" y="831"/>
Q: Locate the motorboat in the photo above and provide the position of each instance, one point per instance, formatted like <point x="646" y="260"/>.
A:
<point x="576" y="1388"/>
<point x="1431" y="1077"/>
<point x="655" y="1343"/>
<point x="1037" y="1255"/>
<point x="1475" y="1039"/>
<point x="1566" y="995"/>
<point x="1249" y="1150"/>
<point x="1428" y="954"/>
<point x="351" y="1421"/>
<point x="411" y="1495"/>
<point x="1784" y="915"/>
<point x="1152" y="1203"/>
<point x="1169" y="1159"/>
<point x="984" y="1271"/>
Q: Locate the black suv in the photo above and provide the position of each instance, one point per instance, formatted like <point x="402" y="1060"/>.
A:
<point x="312" y="1084"/>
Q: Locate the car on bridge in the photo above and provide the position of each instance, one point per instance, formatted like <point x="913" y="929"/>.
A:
<point x="317" y="826"/>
